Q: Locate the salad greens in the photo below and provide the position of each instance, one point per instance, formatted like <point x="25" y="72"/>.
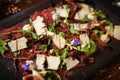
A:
<point x="30" y="33"/>
<point x="3" y="47"/>
<point x="52" y="27"/>
<point x="73" y="31"/>
<point x="55" y="52"/>
<point x="100" y="14"/>
<point x="85" y="19"/>
<point x="16" y="53"/>
<point x="98" y="32"/>
<point x="43" y="47"/>
<point x="53" y="74"/>
<point x="90" y="48"/>
<point x="62" y="34"/>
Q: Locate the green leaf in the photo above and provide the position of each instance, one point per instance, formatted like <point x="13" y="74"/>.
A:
<point x="67" y="23"/>
<point x="93" y="46"/>
<point x="73" y="31"/>
<point x="53" y="73"/>
<point x="85" y="19"/>
<point x="52" y="27"/>
<point x="77" y="48"/>
<point x="30" y="20"/>
<point x="30" y="33"/>
<point x="63" y="57"/>
<point x="43" y="47"/>
<point x="98" y="32"/>
<point x="62" y="34"/>
<point x="85" y="49"/>
<point x="64" y="53"/>
<point x="55" y="52"/>
<point x="65" y="6"/>
<point x="88" y="51"/>
<point x="3" y="47"/>
<point x="16" y="53"/>
<point x="100" y="14"/>
<point x="49" y="78"/>
<point x="108" y="23"/>
<point x="49" y="41"/>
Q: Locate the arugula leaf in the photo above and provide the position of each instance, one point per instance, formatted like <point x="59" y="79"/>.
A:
<point x="49" y="41"/>
<point x="66" y="22"/>
<point x="16" y="53"/>
<point x="65" y="6"/>
<point x="52" y="27"/>
<point x="63" y="57"/>
<point x="93" y="46"/>
<point x="62" y="34"/>
<point x="73" y="31"/>
<point x="3" y="47"/>
<point x="53" y="74"/>
<point x="49" y="78"/>
<point x="77" y="48"/>
<point x="64" y="53"/>
<point x="30" y="20"/>
<point x="98" y="32"/>
<point x="85" y="19"/>
<point x="55" y="52"/>
<point x="108" y="23"/>
<point x="35" y="36"/>
<point x="100" y="14"/>
<point x="43" y="47"/>
<point x="88" y="51"/>
<point x="85" y="49"/>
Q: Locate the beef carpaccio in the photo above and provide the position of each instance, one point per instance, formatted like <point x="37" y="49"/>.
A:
<point x="57" y="39"/>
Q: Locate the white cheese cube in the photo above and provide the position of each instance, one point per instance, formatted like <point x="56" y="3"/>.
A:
<point x="13" y="45"/>
<point x="26" y="27"/>
<point x="117" y="32"/>
<point x="21" y="43"/>
<point x="62" y="12"/>
<point x="84" y="39"/>
<point x="40" y="61"/>
<point x="58" y="41"/>
<point x="56" y="16"/>
<point x="76" y="26"/>
<point x="53" y="62"/>
<point x="42" y="31"/>
<point x="104" y="38"/>
<point x="84" y="11"/>
<point x="92" y="16"/>
<point x="110" y="30"/>
<point x="38" y="25"/>
<point x="18" y="44"/>
<point x="49" y="33"/>
<point x="70" y="63"/>
<point x="80" y="27"/>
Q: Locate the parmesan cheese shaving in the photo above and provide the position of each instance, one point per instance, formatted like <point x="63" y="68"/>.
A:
<point x="18" y="44"/>
<point x="84" y="11"/>
<point x="53" y="62"/>
<point x="117" y="32"/>
<point x="40" y="61"/>
<point x="38" y="25"/>
<point x="70" y="63"/>
<point x="58" y="41"/>
<point x="84" y="39"/>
